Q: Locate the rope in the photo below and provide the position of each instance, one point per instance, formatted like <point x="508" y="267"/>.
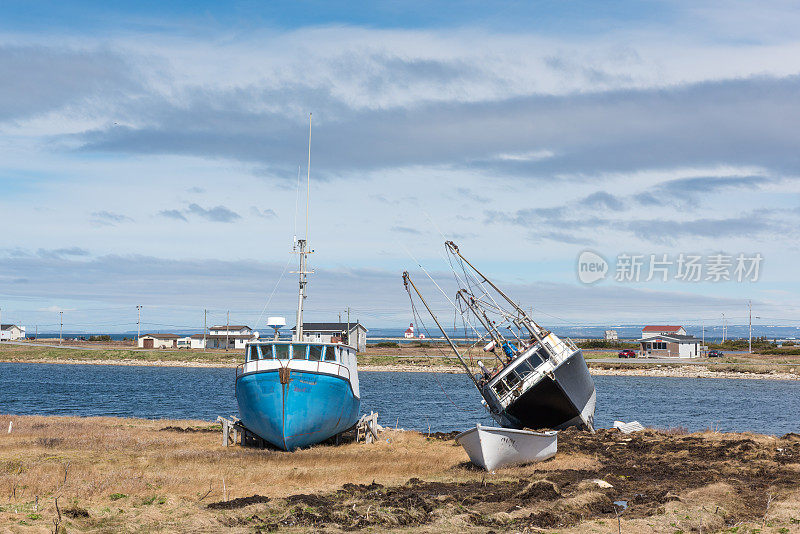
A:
<point x="418" y="319"/>
<point x="273" y="290"/>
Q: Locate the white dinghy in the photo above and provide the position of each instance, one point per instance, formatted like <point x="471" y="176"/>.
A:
<point x="491" y="447"/>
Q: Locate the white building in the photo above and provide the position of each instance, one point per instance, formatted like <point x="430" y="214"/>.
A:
<point x="9" y="332"/>
<point x="611" y="335"/>
<point x="225" y="337"/>
<point x="356" y="336"/>
<point x="660" y="341"/>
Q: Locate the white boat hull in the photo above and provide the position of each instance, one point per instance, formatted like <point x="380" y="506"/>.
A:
<point x="493" y="448"/>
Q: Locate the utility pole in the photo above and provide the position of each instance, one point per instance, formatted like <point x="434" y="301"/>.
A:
<point x="704" y="334"/>
<point x="227" y="329"/>
<point x="348" y="326"/>
<point x="750" y="339"/>
<point x="138" y="323"/>
<point x="205" y="327"/>
<point x="61" y="326"/>
<point x="723" y="328"/>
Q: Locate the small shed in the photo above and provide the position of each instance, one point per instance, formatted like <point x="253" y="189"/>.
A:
<point x="159" y="341"/>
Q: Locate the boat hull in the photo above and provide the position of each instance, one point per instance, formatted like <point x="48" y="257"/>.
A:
<point x="308" y="408"/>
<point x="564" y="398"/>
<point x="493" y="448"/>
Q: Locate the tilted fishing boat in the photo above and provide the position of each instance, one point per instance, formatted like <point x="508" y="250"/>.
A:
<point x="539" y="380"/>
<point x="492" y="448"/>
<point x="297" y="393"/>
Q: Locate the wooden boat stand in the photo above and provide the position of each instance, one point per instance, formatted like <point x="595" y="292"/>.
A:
<point x="365" y="430"/>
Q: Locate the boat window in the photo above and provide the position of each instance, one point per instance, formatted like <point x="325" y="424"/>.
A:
<point x="523" y="369"/>
<point x="252" y="353"/>
<point x="537" y="357"/>
<point x="299" y="352"/>
<point x="330" y="354"/>
<point x="315" y="352"/>
<point x="500" y="388"/>
<point x="266" y="352"/>
<point x="282" y="352"/>
<point x="512" y="379"/>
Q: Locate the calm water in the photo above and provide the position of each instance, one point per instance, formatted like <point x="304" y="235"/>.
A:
<point x="412" y="400"/>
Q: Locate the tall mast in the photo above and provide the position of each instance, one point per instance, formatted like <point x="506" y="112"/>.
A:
<point x="302" y="244"/>
<point x="407" y="281"/>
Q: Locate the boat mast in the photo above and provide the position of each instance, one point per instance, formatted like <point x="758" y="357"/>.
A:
<point x="407" y="281"/>
<point x="536" y="333"/>
<point x="302" y="244"/>
<point x="494" y="334"/>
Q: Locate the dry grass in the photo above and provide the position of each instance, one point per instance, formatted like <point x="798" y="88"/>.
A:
<point x="130" y="475"/>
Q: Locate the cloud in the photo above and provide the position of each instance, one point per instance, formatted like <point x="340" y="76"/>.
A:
<point x="40" y="79"/>
<point x="107" y="218"/>
<point x="60" y="252"/>
<point x="266" y="213"/>
<point x="744" y="122"/>
<point x="668" y="231"/>
<point x="173" y="214"/>
<point x="215" y="214"/>
<point x="687" y="192"/>
<point x="561" y="237"/>
<point x="603" y="200"/>
<point x="405" y="230"/>
<point x="171" y="285"/>
<point x="55" y="309"/>
<point x="196" y="190"/>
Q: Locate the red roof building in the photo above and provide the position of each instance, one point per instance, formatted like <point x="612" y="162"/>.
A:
<point x="659" y="330"/>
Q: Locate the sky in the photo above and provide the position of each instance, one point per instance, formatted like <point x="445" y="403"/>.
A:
<point x="150" y="154"/>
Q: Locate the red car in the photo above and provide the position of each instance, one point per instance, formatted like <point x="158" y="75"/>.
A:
<point x="627" y="353"/>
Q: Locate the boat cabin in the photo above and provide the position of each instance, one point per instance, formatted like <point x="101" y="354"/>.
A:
<point x="514" y="373"/>
<point x="295" y="351"/>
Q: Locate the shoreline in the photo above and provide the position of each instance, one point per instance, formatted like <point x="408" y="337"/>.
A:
<point x="652" y="370"/>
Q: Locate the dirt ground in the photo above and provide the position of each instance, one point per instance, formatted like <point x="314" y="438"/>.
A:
<point x="111" y="475"/>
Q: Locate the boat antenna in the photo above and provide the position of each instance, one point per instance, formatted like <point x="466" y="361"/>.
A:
<point x="308" y="190"/>
<point x="303" y="251"/>
<point x="408" y="282"/>
<point x="296" y="208"/>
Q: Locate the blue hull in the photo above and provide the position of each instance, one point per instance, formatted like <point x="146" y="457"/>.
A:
<point x="309" y="409"/>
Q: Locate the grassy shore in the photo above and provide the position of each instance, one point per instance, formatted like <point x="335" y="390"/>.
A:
<point x="130" y="475"/>
<point x="412" y="359"/>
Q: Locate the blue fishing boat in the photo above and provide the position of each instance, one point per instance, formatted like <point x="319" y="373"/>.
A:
<point x="297" y="393"/>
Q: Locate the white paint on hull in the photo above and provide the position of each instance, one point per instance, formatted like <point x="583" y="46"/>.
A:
<point x="493" y="448"/>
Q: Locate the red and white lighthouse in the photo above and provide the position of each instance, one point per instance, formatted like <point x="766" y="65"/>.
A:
<point x="409" y="331"/>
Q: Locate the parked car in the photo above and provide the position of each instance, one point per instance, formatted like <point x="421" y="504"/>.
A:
<point x="715" y="354"/>
<point x="627" y="353"/>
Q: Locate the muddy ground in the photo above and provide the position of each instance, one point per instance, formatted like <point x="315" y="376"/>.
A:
<point x="72" y="474"/>
<point x="724" y="481"/>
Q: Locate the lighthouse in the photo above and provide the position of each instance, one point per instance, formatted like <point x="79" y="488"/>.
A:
<point x="409" y="331"/>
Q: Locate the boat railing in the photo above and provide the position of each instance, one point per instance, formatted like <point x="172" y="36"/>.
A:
<point x="240" y="367"/>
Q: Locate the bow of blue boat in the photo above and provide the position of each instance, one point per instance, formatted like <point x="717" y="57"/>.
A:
<point x="298" y="394"/>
